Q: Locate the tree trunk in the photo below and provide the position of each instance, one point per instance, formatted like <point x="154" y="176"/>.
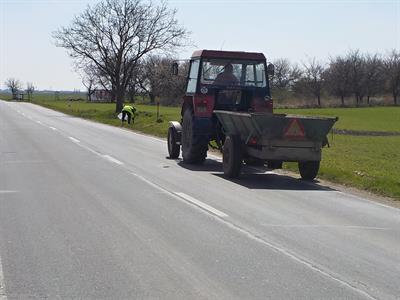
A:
<point x="368" y="100"/>
<point x="132" y="94"/>
<point x="113" y="95"/>
<point x="319" y="100"/>
<point x="342" y="100"/>
<point x="119" y="101"/>
<point x="152" y="98"/>
<point x="89" y="96"/>
<point x="395" y="99"/>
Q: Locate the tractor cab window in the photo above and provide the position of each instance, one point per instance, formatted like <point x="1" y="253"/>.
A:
<point x="224" y="72"/>
<point x="193" y="74"/>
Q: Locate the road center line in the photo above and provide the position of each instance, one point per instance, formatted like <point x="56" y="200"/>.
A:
<point x="202" y="205"/>
<point x="3" y="295"/>
<point x="53" y="128"/>
<point x="39" y="122"/>
<point x="112" y="159"/>
<point x="74" y="139"/>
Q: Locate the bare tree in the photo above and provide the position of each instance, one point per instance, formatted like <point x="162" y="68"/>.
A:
<point x="338" y="78"/>
<point x="157" y="81"/>
<point x="115" y="34"/>
<point x="173" y="89"/>
<point x="133" y="85"/>
<point x="30" y="88"/>
<point x="14" y="85"/>
<point x="357" y="74"/>
<point x="313" y="78"/>
<point x="285" y="75"/>
<point x="373" y="76"/>
<point x="392" y="74"/>
<point x="90" y="78"/>
<point x="151" y="75"/>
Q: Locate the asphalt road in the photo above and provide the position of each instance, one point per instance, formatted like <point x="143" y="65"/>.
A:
<point x="89" y="211"/>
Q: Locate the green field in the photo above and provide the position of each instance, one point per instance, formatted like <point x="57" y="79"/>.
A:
<point x="368" y="162"/>
<point x="363" y="119"/>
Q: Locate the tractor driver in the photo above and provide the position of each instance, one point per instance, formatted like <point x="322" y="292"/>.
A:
<point x="226" y="76"/>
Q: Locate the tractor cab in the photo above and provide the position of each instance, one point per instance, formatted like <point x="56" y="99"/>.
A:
<point x="227" y="80"/>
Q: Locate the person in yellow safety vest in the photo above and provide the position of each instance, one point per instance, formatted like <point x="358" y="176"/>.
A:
<point x="128" y="111"/>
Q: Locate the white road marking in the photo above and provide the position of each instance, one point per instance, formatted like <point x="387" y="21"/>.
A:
<point x="39" y="122"/>
<point x="184" y="198"/>
<point x="112" y="159"/>
<point x="90" y="150"/>
<point x="3" y="295"/>
<point x="7" y="192"/>
<point x="53" y="128"/>
<point x="74" y="139"/>
<point x="146" y="136"/>
<point x="202" y="205"/>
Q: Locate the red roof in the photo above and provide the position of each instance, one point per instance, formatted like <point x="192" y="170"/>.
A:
<point x="228" y="54"/>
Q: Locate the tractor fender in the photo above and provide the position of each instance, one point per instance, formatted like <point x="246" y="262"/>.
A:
<point x="177" y="127"/>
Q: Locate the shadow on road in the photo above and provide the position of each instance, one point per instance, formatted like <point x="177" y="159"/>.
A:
<point x="252" y="178"/>
<point x="208" y="166"/>
<point x="276" y="182"/>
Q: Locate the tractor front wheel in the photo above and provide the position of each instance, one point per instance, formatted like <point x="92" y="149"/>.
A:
<point x="232" y="156"/>
<point x="308" y="169"/>
<point x="194" y="147"/>
<point x="173" y="147"/>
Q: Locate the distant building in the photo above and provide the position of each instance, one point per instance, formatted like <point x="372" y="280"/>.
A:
<point x="101" y="96"/>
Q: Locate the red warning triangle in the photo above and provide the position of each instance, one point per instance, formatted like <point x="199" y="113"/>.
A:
<point x="294" y="129"/>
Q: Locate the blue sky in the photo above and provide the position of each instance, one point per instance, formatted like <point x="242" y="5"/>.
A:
<point x="291" y="29"/>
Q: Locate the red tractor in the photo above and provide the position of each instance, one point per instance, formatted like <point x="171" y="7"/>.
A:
<point x="217" y="80"/>
<point x="228" y="105"/>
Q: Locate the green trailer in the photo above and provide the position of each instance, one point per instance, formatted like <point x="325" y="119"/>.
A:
<point x="273" y="139"/>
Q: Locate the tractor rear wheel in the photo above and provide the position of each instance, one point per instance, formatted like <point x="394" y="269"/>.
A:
<point x="173" y="147"/>
<point x="232" y="156"/>
<point x="194" y="147"/>
<point x="308" y="169"/>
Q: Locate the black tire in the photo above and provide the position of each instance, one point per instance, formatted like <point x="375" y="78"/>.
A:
<point x="308" y="169"/>
<point x="194" y="148"/>
<point x="232" y="156"/>
<point x="173" y="147"/>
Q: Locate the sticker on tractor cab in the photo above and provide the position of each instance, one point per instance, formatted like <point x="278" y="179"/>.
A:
<point x="294" y="129"/>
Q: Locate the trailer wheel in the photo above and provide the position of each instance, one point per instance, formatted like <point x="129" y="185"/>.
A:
<point x="308" y="169"/>
<point x="232" y="156"/>
<point x="194" y="147"/>
<point x="173" y="147"/>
